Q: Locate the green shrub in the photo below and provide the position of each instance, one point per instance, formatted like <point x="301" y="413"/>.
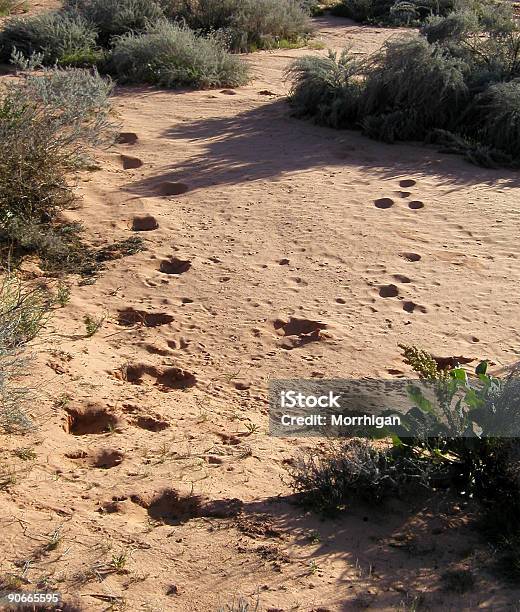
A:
<point x="246" y="24"/>
<point x="58" y="37"/>
<point x="171" y="55"/>
<point x="115" y="17"/>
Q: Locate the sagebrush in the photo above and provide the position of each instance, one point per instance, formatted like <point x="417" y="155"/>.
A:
<point x="456" y="85"/>
<point x="172" y="55"/>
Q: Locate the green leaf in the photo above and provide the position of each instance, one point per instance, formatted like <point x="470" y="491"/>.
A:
<point x="482" y="367"/>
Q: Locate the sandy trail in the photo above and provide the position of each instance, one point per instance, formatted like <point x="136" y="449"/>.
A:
<point x="281" y="219"/>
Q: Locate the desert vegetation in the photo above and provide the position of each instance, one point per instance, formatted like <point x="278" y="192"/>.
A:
<point x="392" y="12"/>
<point x="166" y="42"/>
<point x="470" y="448"/>
<point x="455" y="86"/>
<point x="49" y="124"/>
<point x="133" y="402"/>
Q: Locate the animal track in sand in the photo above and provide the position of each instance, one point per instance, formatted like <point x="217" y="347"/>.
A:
<point x="103" y="458"/>
<point x="401" y="278"/>
<point x="129" y="316"/>
<point x="174" y="266"/>
<point x="169" y="188"/>
<point x="151" y="423"/>
<point x="410" y="256"/>
<point x="410" y="307"/>
<point x="130" y="163"/>
<point x="406" y="183"/>
<point x="107" y="458"/>
<point x="173" y="508"/>
<point x="298" y="331"/>
<point x="404" y="194"/>
<point x="165" y="378"/>
<point x="416" y="205"/>
<point x="89" y="419"/>
<point x="144" y="223"/>
<point x="383" y="203"/>
<point x="127" y="138"/>
<point x="388" y="291"/>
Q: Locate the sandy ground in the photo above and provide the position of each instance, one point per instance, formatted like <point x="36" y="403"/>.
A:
<point x="280" y="219"/>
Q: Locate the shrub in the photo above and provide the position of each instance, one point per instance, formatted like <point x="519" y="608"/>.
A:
<point x="23" y="313"/>
<point x="327" y="88"/>
<point x="455" y="86"/>
<point x="171" y="55"/>
<point x="246" y="24"/>
<point x="411" y="88"/>
<point x="115" y="17"/>
<point x="60" y="37"/>
<point x="392" y="12"/>
<point x="353" y="469"/>
<point x="48" y="125"/>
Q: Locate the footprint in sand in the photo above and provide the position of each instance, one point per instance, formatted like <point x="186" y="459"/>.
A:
<point x="130" y="163"/>
<point x="129" y="138"/>
<point x="404" y="194"/>
<point x="164" y="378"/>
<point x="406" y="183"/>
<point x="298" y="332"/>
<point x="144" y="223"/>
<point x="416" y="205"/>
<point x="169" y="188"/>
<point x="151" y="423"/>
<point x="383" y="203"/>
<point x="175" y="266"/>
<point x="410" y="307"/>
<point x="410" y="256"/>
<point x="401" y="278"/>
<point x="89" y="419"/>
<point x="129" y="316"/>
<point x="388" y="291"/>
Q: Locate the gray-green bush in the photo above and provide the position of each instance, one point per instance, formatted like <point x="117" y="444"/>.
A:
<point x="23" y="313"/>
<point x="48" y="126"/>
<point x="456" y="85"/>
<point x="172" y="55"/>
<point x="246" y="24"/>
<point x="115" y="17"/>
<point x="392" y="12"/>
<point x="59" y="37"/>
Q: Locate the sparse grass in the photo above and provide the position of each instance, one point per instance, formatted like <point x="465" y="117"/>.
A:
<point x="8" y="7"/>
<point x="171" y="55"/>
<point x="93" y="324"/>
<point x="62" y="294"/>
<point x="455" y="86"/>
<point x="25" y="454"/>
<point x="241" y="604"/>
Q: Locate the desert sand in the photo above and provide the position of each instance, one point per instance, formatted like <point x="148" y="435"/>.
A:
<point x="271" y="218"/>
